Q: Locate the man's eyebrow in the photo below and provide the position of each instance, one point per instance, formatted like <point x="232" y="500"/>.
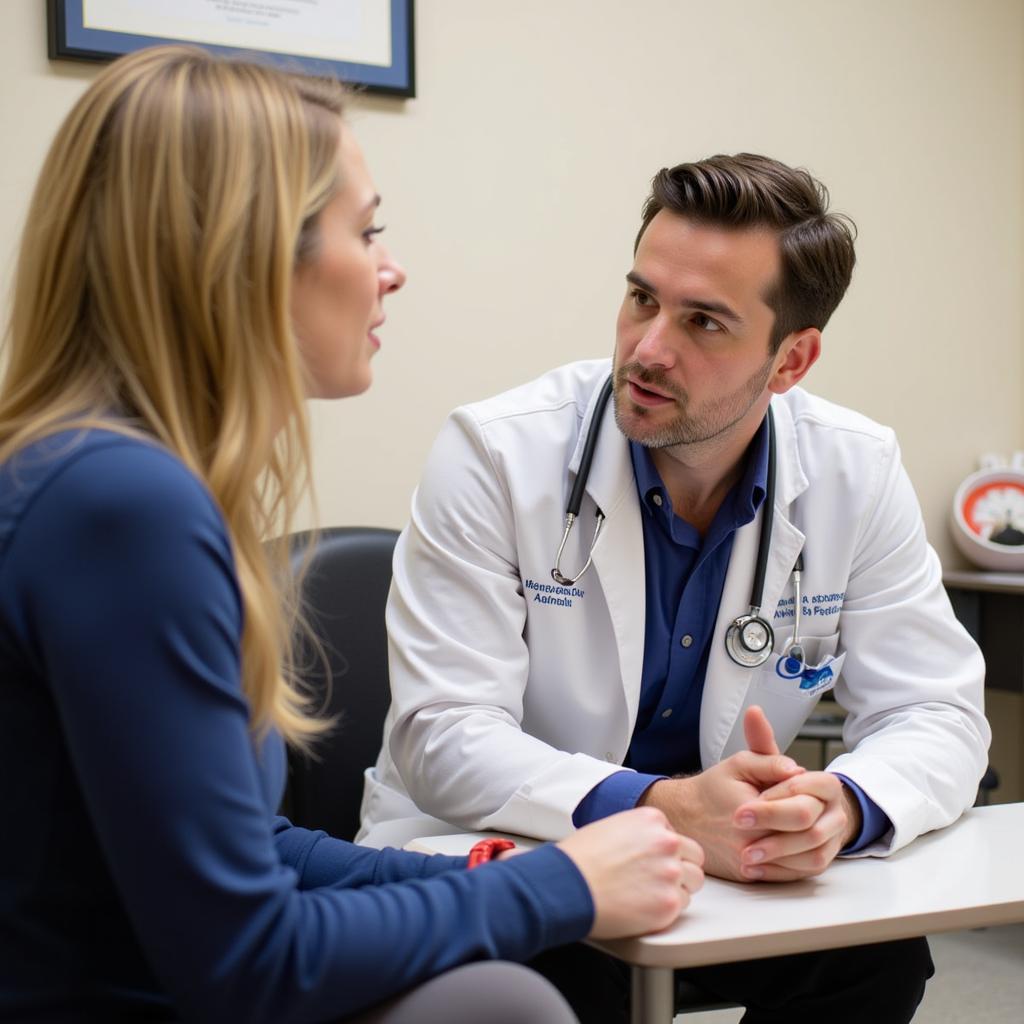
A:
<point x="703" y="305"/>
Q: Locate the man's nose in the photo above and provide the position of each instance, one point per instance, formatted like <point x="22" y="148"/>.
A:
<point x="655" y="348"/>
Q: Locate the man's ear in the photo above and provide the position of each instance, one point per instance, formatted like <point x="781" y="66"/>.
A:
<point x="797" y="354"/>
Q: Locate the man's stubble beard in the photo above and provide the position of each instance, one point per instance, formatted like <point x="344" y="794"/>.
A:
<point x="713" y="419"/>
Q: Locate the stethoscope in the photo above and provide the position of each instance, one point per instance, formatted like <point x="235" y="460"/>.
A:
<point x="750" y="638"/>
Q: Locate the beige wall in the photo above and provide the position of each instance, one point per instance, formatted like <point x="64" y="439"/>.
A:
<point x="513" y="183"/>
<point x="512" y="187"/>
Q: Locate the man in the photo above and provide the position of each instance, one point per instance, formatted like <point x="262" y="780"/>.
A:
<point x="531" y="703"/>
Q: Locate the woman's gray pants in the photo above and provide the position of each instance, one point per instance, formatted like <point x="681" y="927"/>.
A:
<point x="490" y="992"/>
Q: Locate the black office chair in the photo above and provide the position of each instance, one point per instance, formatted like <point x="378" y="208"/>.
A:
<point x="344" y="594"/>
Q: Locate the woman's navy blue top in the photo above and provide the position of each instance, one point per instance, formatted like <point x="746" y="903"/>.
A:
<point x="143" y="873"/>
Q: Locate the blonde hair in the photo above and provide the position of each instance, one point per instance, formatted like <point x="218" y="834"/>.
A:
<point x="152" y="295"/>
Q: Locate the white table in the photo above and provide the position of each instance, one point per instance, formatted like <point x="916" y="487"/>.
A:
<point x="965" y="876"/>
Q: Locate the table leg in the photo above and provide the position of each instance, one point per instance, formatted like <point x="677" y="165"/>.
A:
<point x="653" y="995"/>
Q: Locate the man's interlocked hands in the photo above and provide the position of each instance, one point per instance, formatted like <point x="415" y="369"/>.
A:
<point x="758" y="815"/>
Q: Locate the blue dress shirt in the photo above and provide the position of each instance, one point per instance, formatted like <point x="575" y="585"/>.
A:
<point x="685" y="575"/>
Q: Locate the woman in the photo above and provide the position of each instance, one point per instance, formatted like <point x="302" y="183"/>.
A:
<point x="200" y="256"/>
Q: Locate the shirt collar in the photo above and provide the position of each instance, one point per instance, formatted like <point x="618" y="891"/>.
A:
<point x="648" y="480"/>
<point x="750" y="491"/>
<point x="746" y="496"/>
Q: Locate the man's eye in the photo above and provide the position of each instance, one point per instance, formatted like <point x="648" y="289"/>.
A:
<point x="640" y="298"/>
<point x="705" y="323"/>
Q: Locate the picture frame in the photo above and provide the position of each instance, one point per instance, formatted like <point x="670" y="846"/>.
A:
<point x="367" y="43"/>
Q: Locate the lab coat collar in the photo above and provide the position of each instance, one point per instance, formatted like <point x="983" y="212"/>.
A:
<point x="790" y="479"/>
<point x="612" y="487"/>
<point x="611" y="473"/>
<point x="726" y="683"/>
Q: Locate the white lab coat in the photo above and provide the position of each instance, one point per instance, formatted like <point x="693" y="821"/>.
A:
<point x="510" y="701"/>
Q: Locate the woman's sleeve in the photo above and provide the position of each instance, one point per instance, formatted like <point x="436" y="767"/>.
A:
<point x="320" y="859"/>
<point x="135" y="617"/>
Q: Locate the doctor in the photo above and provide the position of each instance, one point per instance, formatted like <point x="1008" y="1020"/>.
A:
<point x="757" y="546"/>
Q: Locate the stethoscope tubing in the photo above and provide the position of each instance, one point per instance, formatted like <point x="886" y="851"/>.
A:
<point x="750" y="639"/>
<point x="572" y="509"/>
<point x="767" y="524"/>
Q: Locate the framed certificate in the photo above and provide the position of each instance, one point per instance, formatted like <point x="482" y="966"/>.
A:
<point x="367" y="43"/>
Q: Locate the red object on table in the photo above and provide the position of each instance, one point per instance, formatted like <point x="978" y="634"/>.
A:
<point x="487" y="849"/>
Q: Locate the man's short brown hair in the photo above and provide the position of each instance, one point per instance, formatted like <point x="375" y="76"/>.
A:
<point x="751" y="191"/>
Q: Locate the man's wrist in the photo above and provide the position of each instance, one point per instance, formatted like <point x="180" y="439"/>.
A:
<point x="673" y="798"/>
<point x="650" y="797"/>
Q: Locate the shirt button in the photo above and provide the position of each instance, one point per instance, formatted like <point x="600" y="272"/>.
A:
<point x="687" y="640"/>
<point x="656" y="498"/>
<point x="609" y="756"/>
<point x="667" y="713"/>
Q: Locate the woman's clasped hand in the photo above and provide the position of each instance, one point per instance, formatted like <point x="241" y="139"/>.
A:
<point x="641" y="872"/>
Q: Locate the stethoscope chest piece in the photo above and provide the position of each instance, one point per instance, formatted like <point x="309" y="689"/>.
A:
<point x="749" y="640"/>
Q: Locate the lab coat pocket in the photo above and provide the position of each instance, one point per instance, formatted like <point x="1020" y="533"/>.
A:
<point x="819" y="654"/>
<point x="786" y="694"/>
